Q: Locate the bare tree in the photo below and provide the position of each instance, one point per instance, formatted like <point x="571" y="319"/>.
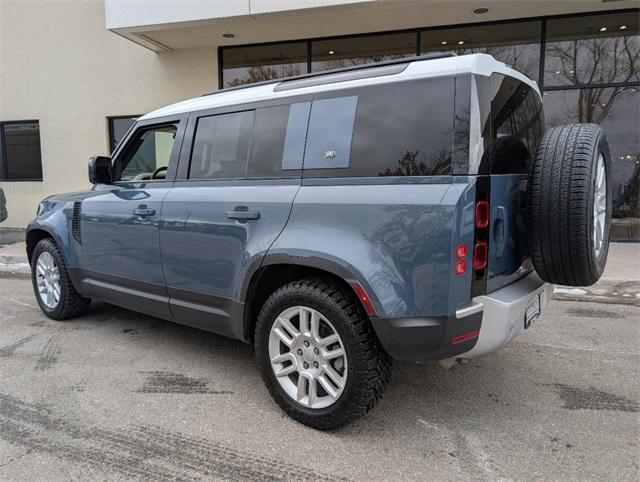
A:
<point x="261" y="73"/>
<point x="596" y="61"/>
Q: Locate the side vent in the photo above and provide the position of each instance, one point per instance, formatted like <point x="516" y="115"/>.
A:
<point x="75" y="222"/>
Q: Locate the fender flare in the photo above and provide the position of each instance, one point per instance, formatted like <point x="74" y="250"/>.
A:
<point x="310" y="259"/>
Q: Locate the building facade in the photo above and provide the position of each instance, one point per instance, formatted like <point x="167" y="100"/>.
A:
<point x="75" y="74"/>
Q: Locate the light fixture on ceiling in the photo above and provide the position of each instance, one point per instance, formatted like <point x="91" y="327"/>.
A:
<point x="444" y="42"/>
<point x="228" y="35"/>
<point x="461" y="42"/>
<point x="331" y="52"/>
<point x="481" y="10"/>
<point x="623" y="27"/>
<point x="603" y="29"/>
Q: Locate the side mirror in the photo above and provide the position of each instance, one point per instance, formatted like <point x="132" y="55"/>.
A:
<point x="100" y="170"/>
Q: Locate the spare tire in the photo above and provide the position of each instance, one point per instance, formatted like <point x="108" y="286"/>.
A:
<point x="569" y="205"/>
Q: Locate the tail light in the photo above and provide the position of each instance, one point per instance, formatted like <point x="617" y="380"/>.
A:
<point x="480" y="255"/>
<point x="482" y="214"/>
<point x="461" y="263"/>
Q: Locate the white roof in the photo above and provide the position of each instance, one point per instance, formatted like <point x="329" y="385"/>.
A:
<point x="479" y="64"/>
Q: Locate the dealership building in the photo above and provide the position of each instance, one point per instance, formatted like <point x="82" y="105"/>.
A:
<point x="75" y="74"/>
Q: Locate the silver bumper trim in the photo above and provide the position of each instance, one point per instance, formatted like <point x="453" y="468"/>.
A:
<point x="469" y="310"/>
<point x="504" y="312"/>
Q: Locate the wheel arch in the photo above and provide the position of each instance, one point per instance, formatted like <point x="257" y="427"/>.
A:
<point x="34" y="236"/>
<point x="279" y="270"/>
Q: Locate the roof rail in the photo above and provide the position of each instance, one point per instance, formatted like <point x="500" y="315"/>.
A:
<point x="372" y="65"/>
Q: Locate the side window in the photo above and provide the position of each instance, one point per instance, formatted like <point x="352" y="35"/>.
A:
<point x="221" y="146"/>
<point x="148" y="152"/>
<point x="278" y="141"/>
<point x="398" y="129"/>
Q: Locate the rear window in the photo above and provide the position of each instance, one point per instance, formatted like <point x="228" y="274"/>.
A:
<point x="399" y="129"/>
<point x="517" y="124"/>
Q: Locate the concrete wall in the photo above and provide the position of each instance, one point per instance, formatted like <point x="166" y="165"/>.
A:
<point x="59" y="64"/>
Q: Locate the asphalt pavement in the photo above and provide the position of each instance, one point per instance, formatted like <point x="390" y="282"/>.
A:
<point x="118" y="395"/>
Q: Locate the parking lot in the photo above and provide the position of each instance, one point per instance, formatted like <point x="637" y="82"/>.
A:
<point x="118" y="395"/>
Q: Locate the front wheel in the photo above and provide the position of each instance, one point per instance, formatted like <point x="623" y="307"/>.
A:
<point x="318" y="354"/>
<point x="56" y="295"/>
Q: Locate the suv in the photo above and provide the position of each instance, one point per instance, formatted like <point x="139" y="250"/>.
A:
<point x="411" y="210"/>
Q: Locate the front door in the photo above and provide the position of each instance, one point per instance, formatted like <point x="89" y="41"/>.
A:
<point x="120" y="223"/>
<point x="219" y="222"/>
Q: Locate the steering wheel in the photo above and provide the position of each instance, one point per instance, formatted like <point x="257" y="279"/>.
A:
<point x="157" y="171"/>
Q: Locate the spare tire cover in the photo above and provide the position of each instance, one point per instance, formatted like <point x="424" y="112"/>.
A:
<point x="569" y="205"/>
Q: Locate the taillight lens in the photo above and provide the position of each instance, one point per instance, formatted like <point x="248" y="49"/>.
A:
<point x="480" y="255"/>
<point x="461" y="267"/>
<point x="461" y="251"/>
<point x="482" y="214"/>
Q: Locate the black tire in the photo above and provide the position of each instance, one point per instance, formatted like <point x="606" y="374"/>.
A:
<point x="560" y="205"/>
<point x="71" y="303"/>
<point x="369" y="365"/>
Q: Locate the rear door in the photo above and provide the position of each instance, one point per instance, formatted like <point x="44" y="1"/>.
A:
<point x="237" y="182"/>
<point x="516" y="125"/>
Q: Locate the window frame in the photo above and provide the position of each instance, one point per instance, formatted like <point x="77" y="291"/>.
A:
<point x="110" y="145"/>
<point x="4" y="170"/>
<point x="149" y="124"/>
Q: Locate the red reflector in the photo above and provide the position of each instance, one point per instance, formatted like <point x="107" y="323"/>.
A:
<point x="480" y="255"/>
<point x="461" y="267"/>
<point x="466" y="337"/>
<point x="461" y="251"/>
<point x="482" y="214"/>
<point x="366" y="302"/>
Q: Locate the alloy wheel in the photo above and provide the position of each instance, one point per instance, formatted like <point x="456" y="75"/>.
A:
<point x="48" y="280"/>
<point x="308" y="357"/>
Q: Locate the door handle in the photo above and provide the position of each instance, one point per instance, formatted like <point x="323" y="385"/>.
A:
<point x="242" y="213"/>
<point x="500" y="230"/>
<point x="144" y="211"/>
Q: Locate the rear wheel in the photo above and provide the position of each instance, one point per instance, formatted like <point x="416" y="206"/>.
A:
<point x="56" y="295"/>
<point x="318" y="354"/>
<point x="569" y="205"/>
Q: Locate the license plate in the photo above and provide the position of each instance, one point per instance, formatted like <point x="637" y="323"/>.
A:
<point x="532" y="312"/>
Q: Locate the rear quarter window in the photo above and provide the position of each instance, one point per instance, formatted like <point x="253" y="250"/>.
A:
<point x="398" y="129"/>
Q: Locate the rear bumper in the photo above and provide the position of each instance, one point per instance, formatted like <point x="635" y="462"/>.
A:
<point x="504" y="312"/>
<point x="487" y="323"/>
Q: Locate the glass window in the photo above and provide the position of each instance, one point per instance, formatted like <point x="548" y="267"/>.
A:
<point x="247" y="65"/>
<point x="20" y="158"/>
<point x="118" y="128"/>
<point x="148" y="152"/>
<point x="345" y="52"/>
<point x="596" y="49"/>
<point x="401" y="129"/>
<point x="617" y="110"/>
<point x="516" y="44"/>
<point x="278" y="141"/>
<point x="221" y="146"/>
<point x="516" y="120"/>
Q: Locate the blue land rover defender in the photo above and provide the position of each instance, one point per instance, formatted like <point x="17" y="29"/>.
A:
<point x="412" y="210"/>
